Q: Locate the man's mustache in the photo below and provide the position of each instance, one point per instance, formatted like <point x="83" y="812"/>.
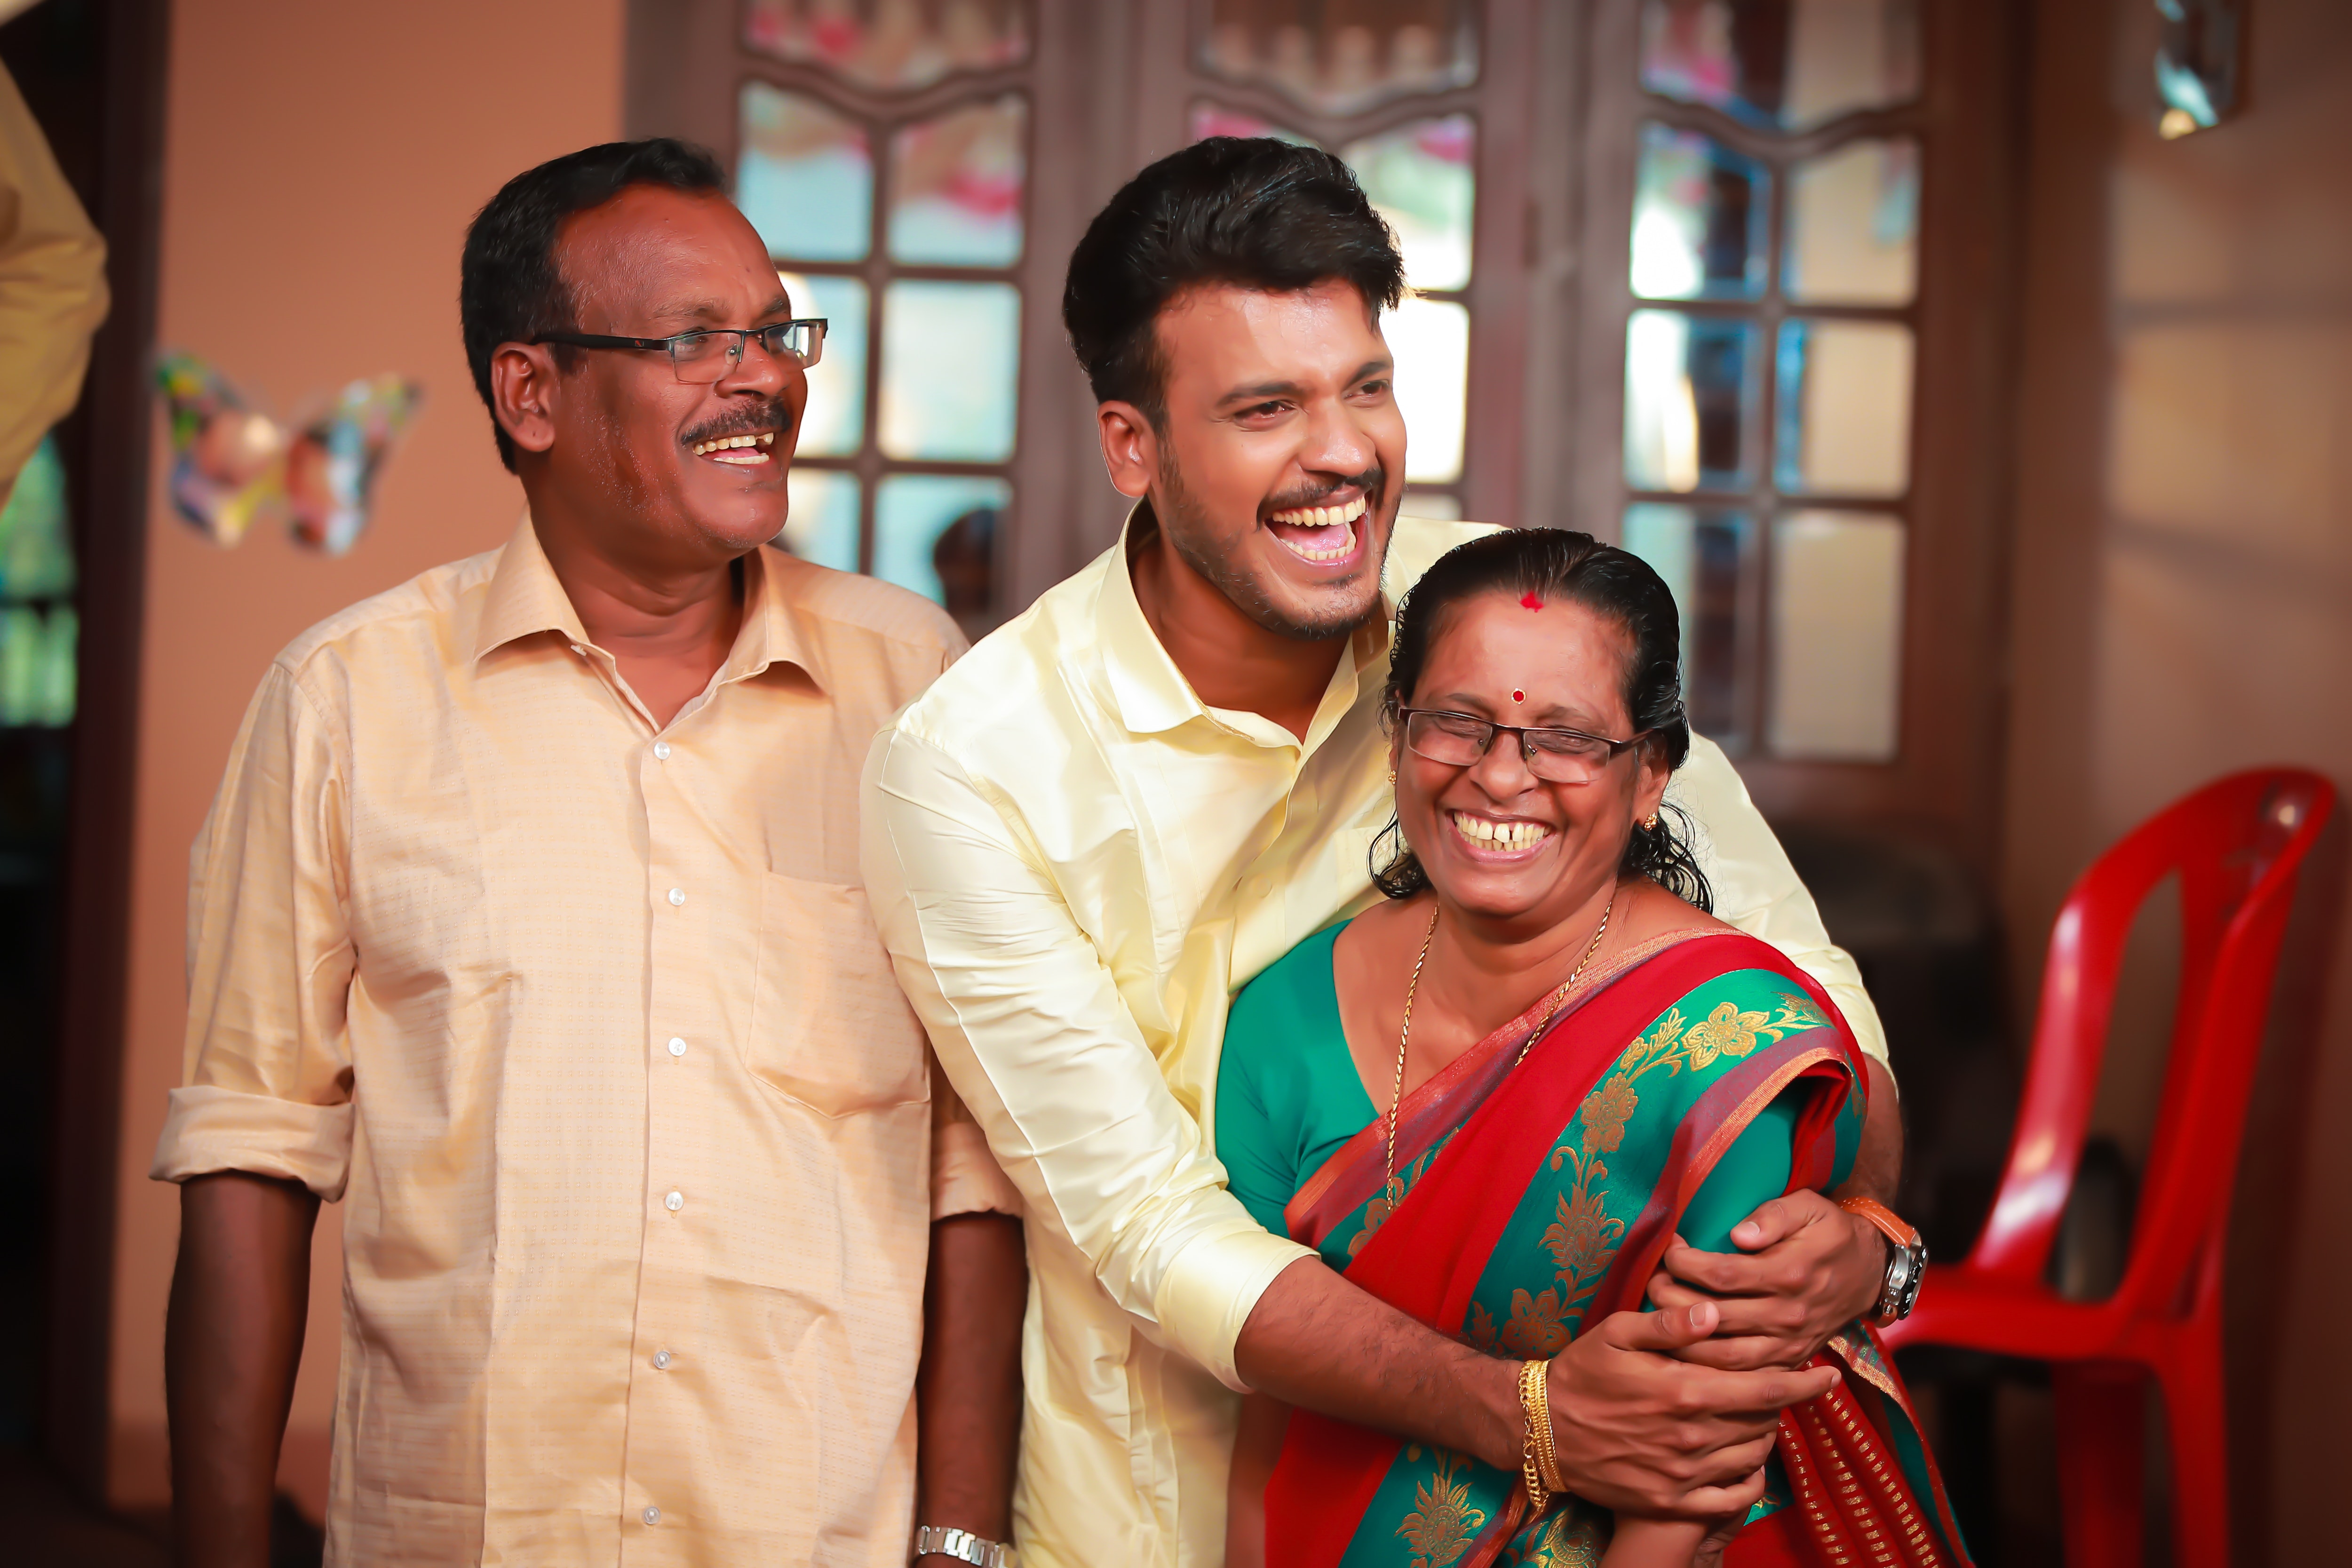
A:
<point x="1371" y="481"/>
<point x="754" y="420"/>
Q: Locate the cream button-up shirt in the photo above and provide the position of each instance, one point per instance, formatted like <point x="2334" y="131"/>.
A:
<point x="1075" y="863"/>
<point x="584" y="1020"/>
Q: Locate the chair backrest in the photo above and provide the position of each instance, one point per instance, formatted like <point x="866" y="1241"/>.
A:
<point x="2237" y="845"/>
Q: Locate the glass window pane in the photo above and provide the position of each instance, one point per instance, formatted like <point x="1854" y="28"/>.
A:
<point x="913" y="514"/>
<point x="1430" y="340"/>
<point x="1785" y="64"/>
<point x="950" y="370"/>
<point x="956" y="185"/>
<point x="1837" y="635"/>
<point x="1338" y="59"/>
<point x="834" y="421"/>
<point x="890" y="43"/>
<point x="821" y="519"/>
<point x="1421" y="179"/>
<point x="805" y="178"/>
<point x="1701" y="218"/>
<point x="1853" y="224"/>
<point x="37" y="559"/>
<point x="1844" y="411"/>
<point x="1216" y="119"/>
<point x="1690" y="401"/>
<point x="1703" y="557"/>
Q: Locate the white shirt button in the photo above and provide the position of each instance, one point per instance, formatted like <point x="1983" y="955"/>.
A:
<point x="678" y="1048"/>
<point x="661" y="1360"/>
<point x="661" y="751"/>
<point x="676" y="897"/>
<point x="674" y="1202"/>
<point x="1260" y="887"/>
<point x="651" y="1516"/>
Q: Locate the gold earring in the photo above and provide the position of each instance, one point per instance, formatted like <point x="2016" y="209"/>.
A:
<point x="1392" y="776"/>
<point x="1652" y="825"/>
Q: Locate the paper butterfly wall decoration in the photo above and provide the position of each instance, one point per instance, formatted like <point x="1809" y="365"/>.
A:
<point x="234" y="467"/>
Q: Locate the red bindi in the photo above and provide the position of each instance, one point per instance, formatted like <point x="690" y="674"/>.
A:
<point x="1531" y="602"/>
<point x="1519" y="697"/>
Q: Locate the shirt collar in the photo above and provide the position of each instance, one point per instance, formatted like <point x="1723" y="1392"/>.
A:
<point x="1152" y="694"/>
<point x="526" y="598"/>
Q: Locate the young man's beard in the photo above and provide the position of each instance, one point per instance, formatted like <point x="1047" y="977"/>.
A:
<point x="1187" y="525"/>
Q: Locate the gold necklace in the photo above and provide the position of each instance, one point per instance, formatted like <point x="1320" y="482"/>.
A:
<point x="1404" y="1036"/>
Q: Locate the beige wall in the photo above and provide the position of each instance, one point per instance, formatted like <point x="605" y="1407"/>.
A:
<point x="320" y="165"/>
<point x="2182" y="601"/>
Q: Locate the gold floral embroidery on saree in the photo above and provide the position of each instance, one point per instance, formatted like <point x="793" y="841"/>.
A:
<point x="1443" y="1524"/>
<point x="1572" y="1536"/>
<point x="1583" y="1236"/>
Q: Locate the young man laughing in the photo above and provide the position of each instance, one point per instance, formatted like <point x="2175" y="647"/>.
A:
<point x="1119" y="808"/>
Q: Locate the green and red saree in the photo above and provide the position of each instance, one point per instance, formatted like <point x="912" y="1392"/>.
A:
<point x="1533" y="1199"/>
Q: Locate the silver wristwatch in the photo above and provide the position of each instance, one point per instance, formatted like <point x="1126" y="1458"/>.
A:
<point x="1907" y="1266"/>
<point x="962" y="1545"/>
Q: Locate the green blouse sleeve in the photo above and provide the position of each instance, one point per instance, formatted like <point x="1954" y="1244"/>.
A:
<point x="1287" y="1092"/>
<point x="1752" y="1172"/>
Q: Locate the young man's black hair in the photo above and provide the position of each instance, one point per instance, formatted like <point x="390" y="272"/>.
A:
<point x="509" y="288"/>
<point x="1250" y="211"/>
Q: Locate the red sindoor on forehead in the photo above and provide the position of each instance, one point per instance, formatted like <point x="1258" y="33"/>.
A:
<point x="1519" y="697"/>
<point x="1531" y="602"/>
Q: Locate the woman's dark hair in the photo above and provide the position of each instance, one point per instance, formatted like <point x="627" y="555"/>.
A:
<point x="1553" y="563"/>
<point x="1251" y="211"/>
<point x="509" y="288"/>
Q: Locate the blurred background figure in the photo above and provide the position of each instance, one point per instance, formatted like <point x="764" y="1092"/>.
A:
<point x="52" y="283"/>
<point x="965" y="558"/>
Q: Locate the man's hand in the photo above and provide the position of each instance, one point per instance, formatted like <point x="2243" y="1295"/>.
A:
<point x="1636" y="1426"/>
<point x="1806" y="1270"/>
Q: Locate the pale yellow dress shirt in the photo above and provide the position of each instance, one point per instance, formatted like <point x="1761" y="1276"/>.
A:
<point x="1075" y="864"/>
<point x="52" y="287"/>
<point x="586" y="1021"/>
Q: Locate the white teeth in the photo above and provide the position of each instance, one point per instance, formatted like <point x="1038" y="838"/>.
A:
<point x="1322" y="516"/>
<point x="733" y="443"/>
<point x="1492" y="835"/>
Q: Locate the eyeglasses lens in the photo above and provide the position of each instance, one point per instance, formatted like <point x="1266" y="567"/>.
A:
<point x="1556" y="756"/>
<point x="706" y="357"/>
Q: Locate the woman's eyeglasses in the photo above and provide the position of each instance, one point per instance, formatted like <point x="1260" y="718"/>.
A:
<point x="708" y="355"/>
<point x="1556" y="756"/>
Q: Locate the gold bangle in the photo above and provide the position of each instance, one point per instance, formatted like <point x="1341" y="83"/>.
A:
<point x="1535" y="1405"/>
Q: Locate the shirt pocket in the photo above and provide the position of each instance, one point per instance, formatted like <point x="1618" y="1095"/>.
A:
<point x="829" y="1025"/>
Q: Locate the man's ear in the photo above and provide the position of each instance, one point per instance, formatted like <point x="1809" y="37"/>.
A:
<point x="1131" y="448"/>
<point x="523" y="392"/>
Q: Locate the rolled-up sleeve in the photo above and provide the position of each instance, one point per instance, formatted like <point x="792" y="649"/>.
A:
<point x="1758" y="890"/>
<point x="266" y="1078"/>
<point x="1031" y="1033"/>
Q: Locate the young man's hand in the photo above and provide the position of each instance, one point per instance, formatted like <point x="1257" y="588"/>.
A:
<point x="1637" y="1427"/>
<point x="1806" y="1270"/>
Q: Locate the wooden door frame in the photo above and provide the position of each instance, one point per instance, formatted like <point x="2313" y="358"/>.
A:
<point x="1944" y="783"/>
<point x="111" y="542"/>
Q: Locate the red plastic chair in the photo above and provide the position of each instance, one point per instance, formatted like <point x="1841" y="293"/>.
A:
<point x="2238" y="845"/>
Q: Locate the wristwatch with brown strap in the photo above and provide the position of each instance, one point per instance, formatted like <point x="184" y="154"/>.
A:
<point x="1907" y="1257"/>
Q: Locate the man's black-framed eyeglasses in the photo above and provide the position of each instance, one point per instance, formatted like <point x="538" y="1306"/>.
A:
<point x="708" y="354"/>
<point x="1556" y="756"/>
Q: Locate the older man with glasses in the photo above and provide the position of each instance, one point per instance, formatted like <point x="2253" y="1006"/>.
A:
<point x="527" y="923"/>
